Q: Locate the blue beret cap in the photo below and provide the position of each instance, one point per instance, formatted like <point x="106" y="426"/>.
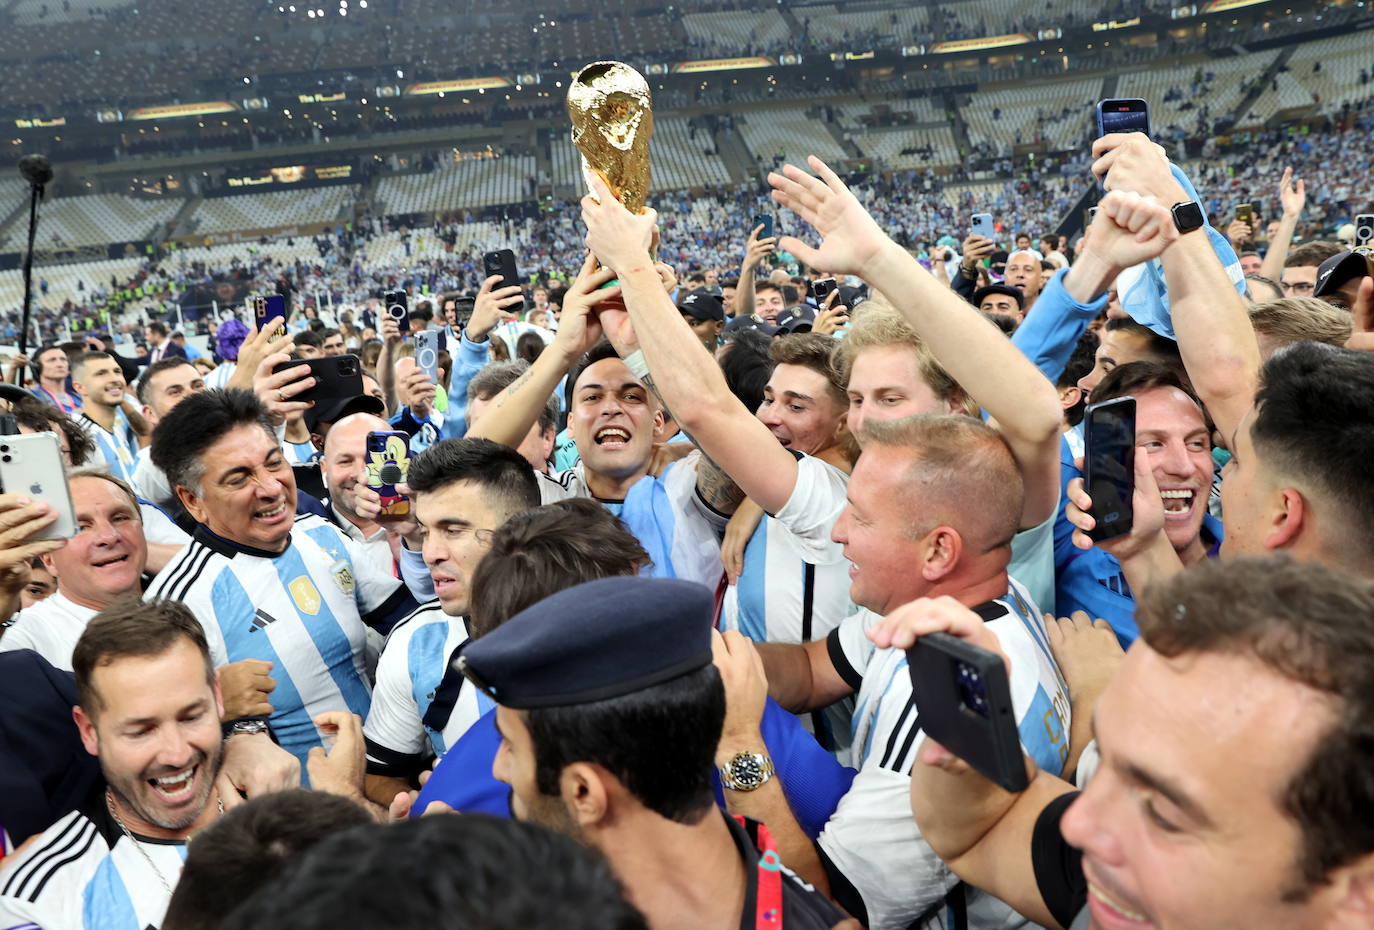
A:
<point x="595" y="641"/>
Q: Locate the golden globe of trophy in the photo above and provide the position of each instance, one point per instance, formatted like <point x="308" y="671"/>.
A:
<point x="612" y="119"/>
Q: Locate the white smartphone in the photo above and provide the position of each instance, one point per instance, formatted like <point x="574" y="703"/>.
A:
<point x="31" y="465"/>
<point x="981" y="225"/>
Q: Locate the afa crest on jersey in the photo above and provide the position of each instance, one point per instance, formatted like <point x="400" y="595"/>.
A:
<point x="343" y="577"/>
<point x="305" y="594"/>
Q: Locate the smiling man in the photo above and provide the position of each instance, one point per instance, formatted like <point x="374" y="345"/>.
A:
<point x="149" y="709"/>
<point x="677" y="513"/>
<point x="1234" y="788"/>
<point x="266" y="584"/>
<point x="102" y="563"/>
<point x="1174" y="436"/>
<point x="98" y="379"/>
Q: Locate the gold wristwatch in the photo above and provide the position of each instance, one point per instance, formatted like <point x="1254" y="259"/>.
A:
<point x="747" y="771"/>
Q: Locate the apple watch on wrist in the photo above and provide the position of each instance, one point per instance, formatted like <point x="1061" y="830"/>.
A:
<point x="747" y="771"/>
<point x="1187" y="216"/>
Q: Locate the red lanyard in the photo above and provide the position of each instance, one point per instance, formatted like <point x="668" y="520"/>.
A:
<point x="768" y="896"/>
<point x="65" y="408"/>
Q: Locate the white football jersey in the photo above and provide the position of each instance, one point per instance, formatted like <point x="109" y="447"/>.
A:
<point x="304" y="610"/>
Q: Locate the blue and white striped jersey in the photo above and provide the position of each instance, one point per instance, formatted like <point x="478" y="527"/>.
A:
<point x="872" y="840"/>
<point x="83" y="873"/>
<point x="665" y="513"/>
<point x="117" y="449"/>
<point x="417" y="713"/>
<point x="304" y="610"/>
<point x="794" y="589"/>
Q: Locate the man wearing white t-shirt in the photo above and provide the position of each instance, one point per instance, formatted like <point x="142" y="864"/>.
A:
<point x="100" y="564"/>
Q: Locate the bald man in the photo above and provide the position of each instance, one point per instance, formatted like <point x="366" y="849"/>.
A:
<point x="341" y="466"/>
<point x="1024" y="272"/>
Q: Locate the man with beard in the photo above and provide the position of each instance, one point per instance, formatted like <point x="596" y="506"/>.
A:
<point x="149" y="709"/>
<point x="104" y="416"/>
<point x="610" y="709"/>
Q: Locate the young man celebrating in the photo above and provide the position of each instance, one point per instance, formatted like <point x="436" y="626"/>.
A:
<point x="104" y="417"/>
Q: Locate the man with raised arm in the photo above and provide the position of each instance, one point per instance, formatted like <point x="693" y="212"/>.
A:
<point x="678" y="514"/>
<point x="933" y="506"/>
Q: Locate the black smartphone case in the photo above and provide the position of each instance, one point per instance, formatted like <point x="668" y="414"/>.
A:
<point x="988" y="742"/>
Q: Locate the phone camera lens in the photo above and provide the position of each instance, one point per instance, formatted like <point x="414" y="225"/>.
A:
<point x="4" y="448"/>
<point x="6" y="458"/>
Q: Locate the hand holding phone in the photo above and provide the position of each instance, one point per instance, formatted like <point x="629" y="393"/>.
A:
<point x="1126" y="115"/>
<point x="335" y="377"/>
<point x="961" y="684"/>
<point x="427" y="353"/>
<point x="267" y="308"/>
<point x="1109" y="466"/>
<point x="386" y="466"/>
<point x="502" y="262"/>
<point x="31" y="466"/>
<point x="397" y="306"/>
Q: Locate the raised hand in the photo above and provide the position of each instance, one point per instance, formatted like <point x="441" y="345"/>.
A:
<point x="1130" y="228"/>
<point x="1292" y="196"/>
<point x="618" y="238"/>
<point x="491" y="308"/>
<point x="851" y="239"/>
<point x="756" y="249"/>
<point x="1129" y="161"/>
<point x="277" y="388"/>
<point x="580" y="328"/>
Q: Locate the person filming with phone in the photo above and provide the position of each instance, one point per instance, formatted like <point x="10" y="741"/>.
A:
<point x="1234" y="787"/>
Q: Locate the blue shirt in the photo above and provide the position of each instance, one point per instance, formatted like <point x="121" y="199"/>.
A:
<point x="811" y="778"/>
<point x="1091" y="580"/>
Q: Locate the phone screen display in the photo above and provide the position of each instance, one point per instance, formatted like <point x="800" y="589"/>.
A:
<point x="1109" y="460"/>
<point x="1122" y="116"/>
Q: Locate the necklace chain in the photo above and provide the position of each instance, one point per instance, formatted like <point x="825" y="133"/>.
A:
<point x="162" y="880"/>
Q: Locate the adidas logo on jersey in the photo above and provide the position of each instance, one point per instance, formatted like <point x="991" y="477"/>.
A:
<point x="260" y="620"/>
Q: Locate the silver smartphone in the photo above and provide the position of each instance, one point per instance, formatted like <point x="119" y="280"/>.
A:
<point x="31" y="465"/>
<point x="427" y="353"/>
<point x="981" y="225"/>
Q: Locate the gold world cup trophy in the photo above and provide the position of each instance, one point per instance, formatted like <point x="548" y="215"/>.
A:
<point x="612" y="119"/>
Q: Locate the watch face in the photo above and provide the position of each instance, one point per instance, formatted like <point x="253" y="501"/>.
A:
<point x="746" y="771"/>
<point x="1188" y="215"/>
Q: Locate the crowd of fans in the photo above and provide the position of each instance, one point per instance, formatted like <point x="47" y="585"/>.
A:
<point x="636" y="564"/>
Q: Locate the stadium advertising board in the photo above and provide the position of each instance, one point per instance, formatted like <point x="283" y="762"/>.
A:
<point x="176" y="111"/>
<point x="290" y="175"/>
<point x="39" y="123"/>
<point x="1116" y="24"/>
<point x="976" y="45"/>
<point x="723" y="64"/>
<point x="1218" y="6"/>
<point x="456" y="87"/>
